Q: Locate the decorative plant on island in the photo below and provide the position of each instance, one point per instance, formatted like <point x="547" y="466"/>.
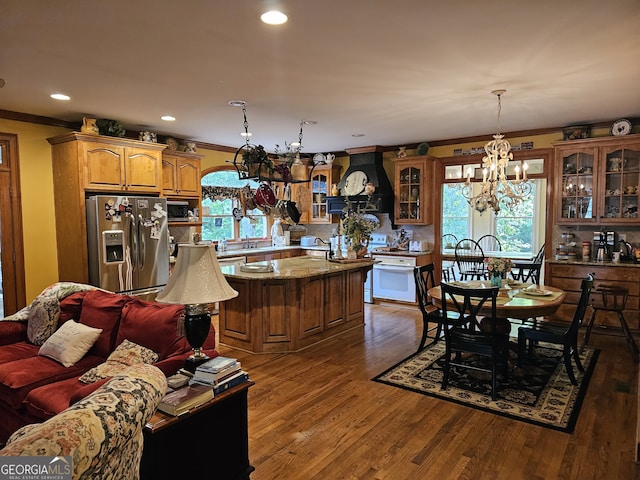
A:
<point x="498" y="269"/>
<point x="357" y="229"/>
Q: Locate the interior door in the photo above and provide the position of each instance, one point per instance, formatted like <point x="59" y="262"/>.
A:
<point x="12" y="283"/>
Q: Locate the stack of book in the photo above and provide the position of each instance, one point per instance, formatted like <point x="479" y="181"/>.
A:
<point x="177" y="402"/>
<point x="219" y="373"/>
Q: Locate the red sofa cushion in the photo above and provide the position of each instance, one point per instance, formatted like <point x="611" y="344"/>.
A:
<point x="71" y="307"/>
<point x="18" y="350"/>
<point x="19" y="377"/>
<point x="153" y="325"/>
<point x="103" y="310"/>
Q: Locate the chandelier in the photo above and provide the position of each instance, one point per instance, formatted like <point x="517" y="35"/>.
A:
<point x="288" y="165"/>
<point x="496" y="189"/>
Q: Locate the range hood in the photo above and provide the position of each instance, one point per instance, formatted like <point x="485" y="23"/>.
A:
<point x="367" y="161"/>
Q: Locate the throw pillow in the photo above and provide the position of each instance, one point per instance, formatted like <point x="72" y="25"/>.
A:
<point x="127" y="353"/>
<point x="70" y="343"/>
<point x="43" y="319"/>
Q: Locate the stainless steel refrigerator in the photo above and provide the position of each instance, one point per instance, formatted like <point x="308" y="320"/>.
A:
<point x="127" y="238"/>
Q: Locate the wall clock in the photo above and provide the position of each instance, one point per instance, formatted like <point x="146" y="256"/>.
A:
<point x="621" y="127"/>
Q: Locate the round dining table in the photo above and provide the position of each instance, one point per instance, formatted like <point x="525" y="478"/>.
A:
<point x="514" y="301"/>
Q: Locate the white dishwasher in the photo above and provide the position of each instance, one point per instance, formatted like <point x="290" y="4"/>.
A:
<point x="393" y="278"/>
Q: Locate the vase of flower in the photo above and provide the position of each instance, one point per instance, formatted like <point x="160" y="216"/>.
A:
<point x="498" y="268"/>
<point x="357" y="229"/>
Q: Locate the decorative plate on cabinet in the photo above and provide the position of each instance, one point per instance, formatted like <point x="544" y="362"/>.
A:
<point x="621" y="127"/>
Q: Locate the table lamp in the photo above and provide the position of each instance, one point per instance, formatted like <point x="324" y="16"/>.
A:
<point x="195" y="282"/>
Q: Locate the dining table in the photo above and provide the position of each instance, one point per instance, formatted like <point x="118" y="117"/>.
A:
<point x="515" y="300"/>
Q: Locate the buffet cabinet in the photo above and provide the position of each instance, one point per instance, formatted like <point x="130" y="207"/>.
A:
<point x="414" y="178"/>
<point x="598" y="181"/>
<point x="568" y="276"/>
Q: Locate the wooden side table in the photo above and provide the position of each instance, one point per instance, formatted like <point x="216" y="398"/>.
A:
<point x="210" y="441"/>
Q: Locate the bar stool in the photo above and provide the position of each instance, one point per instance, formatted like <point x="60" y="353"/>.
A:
<point x="614" y="299"/>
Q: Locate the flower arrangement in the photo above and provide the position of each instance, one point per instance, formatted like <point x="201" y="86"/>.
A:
<point x="498" y="267"/>
<point x="357" y="228"/>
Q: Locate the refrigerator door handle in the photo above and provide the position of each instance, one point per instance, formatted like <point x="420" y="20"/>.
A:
<point x="133" y="239"/>
<point x="143" y="242"/>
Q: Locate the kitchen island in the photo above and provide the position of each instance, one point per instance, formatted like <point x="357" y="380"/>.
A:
<point x="303" y="301"/>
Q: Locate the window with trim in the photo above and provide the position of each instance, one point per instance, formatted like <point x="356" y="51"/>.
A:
<point x="520" y="229"/>
<point x="218" y="219"/>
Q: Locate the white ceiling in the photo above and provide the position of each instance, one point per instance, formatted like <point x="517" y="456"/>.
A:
<point x="399" y="72"/>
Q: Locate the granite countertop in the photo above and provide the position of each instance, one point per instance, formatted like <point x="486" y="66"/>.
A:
<point x="292" y="268"/>
<point x="594" y="264"/>
<point x="239" y="252"/>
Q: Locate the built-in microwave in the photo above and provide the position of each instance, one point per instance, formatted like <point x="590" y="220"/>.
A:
<point x="178" y="211"/>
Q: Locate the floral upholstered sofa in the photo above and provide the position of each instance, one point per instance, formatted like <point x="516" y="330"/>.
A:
<point x="73" y="337"/>
<point x="102" y="433"/>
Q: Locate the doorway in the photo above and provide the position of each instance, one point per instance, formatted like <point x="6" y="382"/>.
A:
<point x="12" y="281"/>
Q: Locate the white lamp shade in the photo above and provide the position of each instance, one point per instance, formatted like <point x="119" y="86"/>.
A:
<point x="196" y="278"/>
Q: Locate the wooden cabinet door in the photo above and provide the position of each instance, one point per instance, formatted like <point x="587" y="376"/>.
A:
<point x="142" y="170"/>
<point x="577" y="185"/>
<point x="169" y="180"/>
<point x="103" y="166"/>
<point x="188" y="176"/>
<point x="619" y="193"/>
<point x="413" y="185"/>
<point x="322" y="178"/>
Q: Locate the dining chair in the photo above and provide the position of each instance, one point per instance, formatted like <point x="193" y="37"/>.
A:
<point x="527" y="272"/>
<point x="464" y="335"/>
<point x="449" y="241"/>
<point x="470" y="260"/>
<point x="425" y="280"/>
<point x="559" y="334"/>
<point x="490" y="243"/>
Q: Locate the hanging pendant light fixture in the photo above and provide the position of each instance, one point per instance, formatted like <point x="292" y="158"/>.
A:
<point x="252" y="162"/>
<point x="496" y="189"/>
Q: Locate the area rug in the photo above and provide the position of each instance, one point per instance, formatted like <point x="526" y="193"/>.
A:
<point x="539" y="392"/>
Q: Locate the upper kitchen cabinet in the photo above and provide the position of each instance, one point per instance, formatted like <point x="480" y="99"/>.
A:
<point x="109" y="163"/>
<point x="181" y="174"/>
<point x="597" y="180"/>
<point x="414" y="178"/>
<point x="322" y="178"/>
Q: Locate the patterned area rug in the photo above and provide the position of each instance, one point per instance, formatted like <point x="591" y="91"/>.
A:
<point x="539" y="393"/>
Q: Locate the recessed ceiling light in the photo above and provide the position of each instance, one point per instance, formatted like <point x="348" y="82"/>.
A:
<point x="237" y="103"/>
<point x="168" y="118"/>
<point x="309" y="122"/>
<point x="274" y="17"/>
<point x="60" y="96"/>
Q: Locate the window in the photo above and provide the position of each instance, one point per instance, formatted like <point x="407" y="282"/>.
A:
<point x="519" y="229"/>
<point x="218" y="220"/>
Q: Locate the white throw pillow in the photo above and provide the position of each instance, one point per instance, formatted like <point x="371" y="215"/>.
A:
<point x="70" y="342"/>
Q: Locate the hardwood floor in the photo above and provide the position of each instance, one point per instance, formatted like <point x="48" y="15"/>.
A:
<point x="316" y="415"/>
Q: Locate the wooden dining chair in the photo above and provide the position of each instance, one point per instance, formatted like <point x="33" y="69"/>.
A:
<point x="463" y="335"/>
<point x="526" y="272"/>
<point x="470" y="260"/>
<point x="490" y="243"/>
<point x="559" y="334"/>
<point x="431" y="315"/>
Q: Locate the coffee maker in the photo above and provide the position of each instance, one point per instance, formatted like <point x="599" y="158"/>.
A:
<point x="604" y="244"/>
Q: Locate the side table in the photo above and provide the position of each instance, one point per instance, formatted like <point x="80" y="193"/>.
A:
<point x="210" y="441"/>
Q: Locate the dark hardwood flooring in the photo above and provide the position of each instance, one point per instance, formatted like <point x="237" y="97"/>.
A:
<point x="316" y="415"/>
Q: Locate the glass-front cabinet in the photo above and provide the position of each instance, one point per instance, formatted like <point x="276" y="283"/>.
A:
<point x="598" y="180"/>
<point x="322" y="179"/>
<point x="413" y="184"/>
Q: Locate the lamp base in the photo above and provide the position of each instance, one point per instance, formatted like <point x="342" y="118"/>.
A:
<point x="193" y="362"/>
<point x="197" y="324"/>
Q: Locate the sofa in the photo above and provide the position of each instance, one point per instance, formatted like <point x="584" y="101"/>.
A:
<point x="102" y="433"/>
<point x="47" y="364"/>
